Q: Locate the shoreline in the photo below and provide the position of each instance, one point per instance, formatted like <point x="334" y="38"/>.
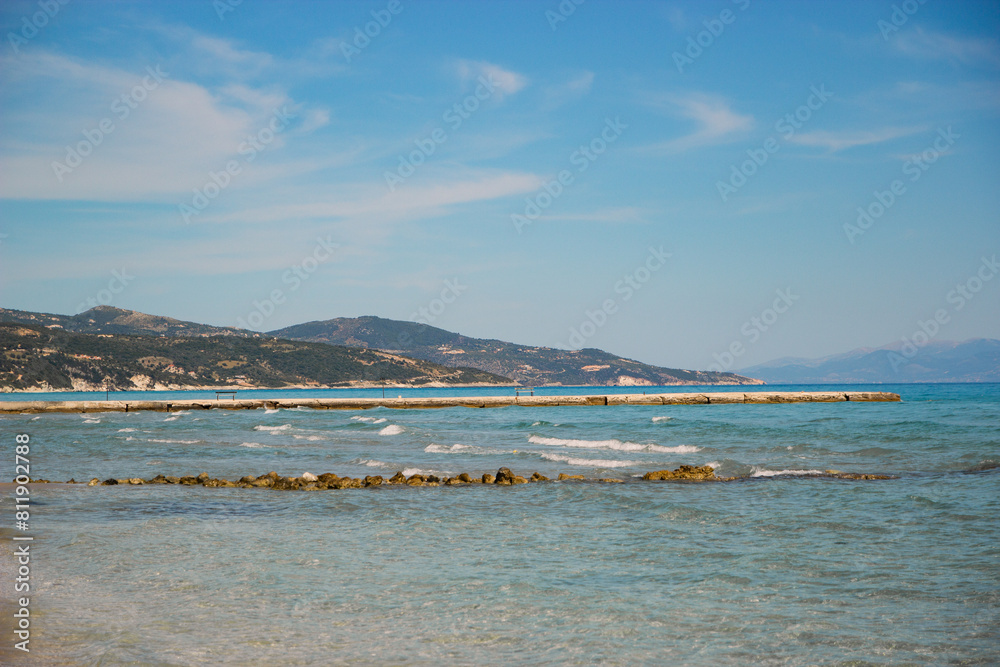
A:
<point x="429" y="402"/>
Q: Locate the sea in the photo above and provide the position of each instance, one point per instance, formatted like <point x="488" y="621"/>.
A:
<point x="782" y="566"/>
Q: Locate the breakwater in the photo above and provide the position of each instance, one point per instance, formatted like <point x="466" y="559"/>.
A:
<point x="430" y="402"/>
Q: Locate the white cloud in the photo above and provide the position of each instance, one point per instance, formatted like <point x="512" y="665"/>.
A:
<point x="838" y="141"/>
<point x="505" y="81"/>
<point x="574" y="88"/>
<point x="716" y="121"/>
<point x="922" y="43"/>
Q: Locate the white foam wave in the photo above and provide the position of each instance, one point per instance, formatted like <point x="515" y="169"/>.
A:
<point x="369" y="420"/>
<point x="254" y="445"/>
<point x="126" y="430"/>
<point x="590" y="463"/>
<point x="91" y="421"/>
<point x="36" y="418"/>
<point x="417" y="471"/>
<point x="714" y="465"/>
<point x="309" y="437"/>
<point x="261" y="427"/>
<point x="616" y="445"/>
<point x="391" y="429"/>
<point x="657" y="420"/>
<point x="171" y="419"/>
<point x="763" y="472"/>
<point x="174" y="442"/>
<point x="372" y="463"/>
<point x="271" y="411"/>
<point x="444" y="449"/>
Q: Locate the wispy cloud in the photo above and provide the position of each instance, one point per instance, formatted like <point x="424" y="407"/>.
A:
<point x="920" y="43"/>
<point x="715" y="121"/>
<point x="838" y="141"/>
<point x="562" y="93"/>
<point x="506" y="81"/>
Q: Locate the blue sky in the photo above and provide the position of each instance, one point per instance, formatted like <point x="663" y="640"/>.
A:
<point x="669" y="181"/>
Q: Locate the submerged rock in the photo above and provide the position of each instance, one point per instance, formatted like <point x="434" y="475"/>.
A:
<point x="700" y="473"/>
<point x="375" y="480"/>
<point x="398" y="478"/>
<point x="538" y="477"/>
<point x="488" y="478"/>
<point x="563" y="476"/>
<point x="504" y="477"/>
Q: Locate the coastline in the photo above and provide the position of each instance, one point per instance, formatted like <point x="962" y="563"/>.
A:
<point x="427" y="402"/>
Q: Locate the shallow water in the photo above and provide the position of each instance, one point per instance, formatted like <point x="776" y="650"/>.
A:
<point x="777" y="568"/>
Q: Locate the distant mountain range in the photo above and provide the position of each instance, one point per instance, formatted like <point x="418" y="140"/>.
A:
<point x="37" y="358"/>
<point x="976" y="360"/>
<point x="535" y="366"/>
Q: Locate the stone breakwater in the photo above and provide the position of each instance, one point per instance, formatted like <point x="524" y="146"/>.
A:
<point x="427" y="402"/>
<point x="503" y="477"/>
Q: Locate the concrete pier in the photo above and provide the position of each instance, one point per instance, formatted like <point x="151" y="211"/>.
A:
<point x="427" y="402"/>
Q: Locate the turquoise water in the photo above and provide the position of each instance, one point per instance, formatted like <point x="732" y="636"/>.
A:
<point x="777" y="568"/>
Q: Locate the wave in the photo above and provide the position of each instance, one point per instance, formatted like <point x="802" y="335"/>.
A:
<point x="616" y="445"/>
<point x="590" y="463"/>
<point x="309" y="437"/>
<point x="126" y="430"/>
<point x="657" y="420"/>
<point x="271" y="411"/>
<point x="763" y="472"/>
<point x="283" y="427"/>
<point x="174" y="442"/>
<point x="255" y="445"/>
<point x="444" y="449"/>
<point x="369" y="420"/>
<point x="372" y="463"/>
<point x="171" y="419"/>
<point x="418" y="471"/>
<point x="391" y="429"/>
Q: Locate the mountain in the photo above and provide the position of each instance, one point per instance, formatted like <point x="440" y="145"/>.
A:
<point x="976" y="360"/>
<point x="38" y="358"/>
<point x="109" y="320"/>
<point x="537" y="366"/>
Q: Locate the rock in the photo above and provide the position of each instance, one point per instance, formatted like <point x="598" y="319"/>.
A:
<point x="328" y="477"/>
<point x="432" y="479"/>
<point x="861" y="475"/>
<point x="247" y="479"/>
<point x="563" y="476"/>
<point x="159" y="479"/>
<point x="610" y="480"/>
<point x="71" y="481"/>
<point x="285" y="484"/>
<point x="464" y="477"/>
<point x="415" y="480"/>
<point x="111" y="481"/>
<point x="453" y="481"/>
<point x="398" y="478"/>
<point x="373" y="480"/>
<point x="538" y="477"/>
<point x="487" y="478"/>
<point x="94" y="482"/>
<point x="700" y="473"/>
<point x="135" y="481"/>
<point x="504" y="477"/>
<point x="172" y="480"/>
<point x="202" y="478"/>
<point x="189" y="481"/>
<point x="308" y="477"/>
<point x="518" y="480"/>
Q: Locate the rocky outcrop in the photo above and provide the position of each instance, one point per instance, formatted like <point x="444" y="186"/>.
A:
<point x="698" y="473"/>
<point x="503" y="477"/>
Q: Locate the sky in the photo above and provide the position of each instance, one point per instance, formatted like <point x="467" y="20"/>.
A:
<point x="691" y="184"/>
